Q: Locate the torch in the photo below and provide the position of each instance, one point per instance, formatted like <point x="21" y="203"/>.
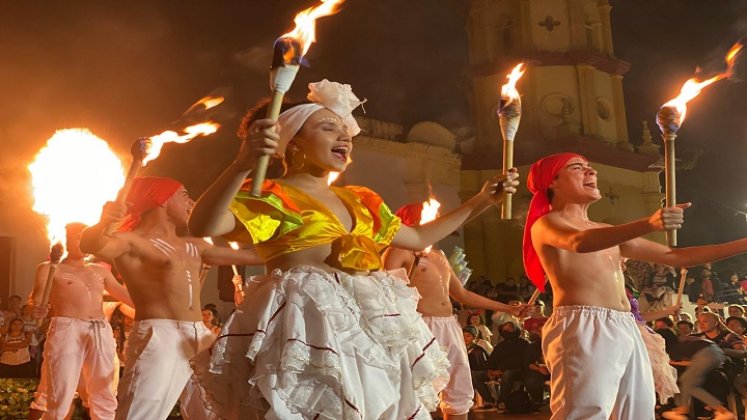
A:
<point x="509" y="116"/>
<point x="670" y="117"/>
<point x="146" y="149"/>
<point x="235" y="269"/>
<point x="55" y="255"/>
<point x="288" y="53"/>
<point x="681" y="289"/>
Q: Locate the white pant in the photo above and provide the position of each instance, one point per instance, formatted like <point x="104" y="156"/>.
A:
<point x="157" y="372"/>
<point x="598" y="365"/>
<point x="75" y="346"/>
<point x="456" y="398"/>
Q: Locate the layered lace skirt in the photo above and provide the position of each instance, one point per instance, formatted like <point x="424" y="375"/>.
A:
<point x="665" y="375"/>
<point x="315" y="345"/>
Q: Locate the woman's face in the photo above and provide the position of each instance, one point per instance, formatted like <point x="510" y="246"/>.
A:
<point x="207" y="316"/>
<point x="735" y="326"/>
<point x="322" y="143"/>
<point x="474" y="320"/>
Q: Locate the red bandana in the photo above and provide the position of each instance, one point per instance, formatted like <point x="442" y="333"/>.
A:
<point x="147" y="193"/>
<point x="541" y="175"/>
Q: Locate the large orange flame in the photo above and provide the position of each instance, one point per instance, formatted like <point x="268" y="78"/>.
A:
<point x="304" y="31"/>
<point x="72" y="177"/>
<point x="693" y="87"/>
<point x="429" y="213"/>
<point x="509" y="89"/>
<point x="156" y="142"/>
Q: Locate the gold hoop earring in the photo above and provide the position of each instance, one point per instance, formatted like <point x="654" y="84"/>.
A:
<point x="293" y="160"/>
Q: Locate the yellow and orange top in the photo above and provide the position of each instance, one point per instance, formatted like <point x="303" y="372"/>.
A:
<point x="285" y="219"/>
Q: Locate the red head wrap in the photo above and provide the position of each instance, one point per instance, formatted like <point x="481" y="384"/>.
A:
<point x="410" y="214"/>
<point x="541" y="175"/>
<point x="147" y="193"/>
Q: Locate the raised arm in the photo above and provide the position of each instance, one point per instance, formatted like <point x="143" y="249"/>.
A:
<point x="210" y="216"/>
<point x="553" y="231"/>
<point x="645" y="250"/>
<point x="473" y="300"/>
<point x="220" y="255"/>
<point x="40" y="281"/>
<point x="417" y="238"/>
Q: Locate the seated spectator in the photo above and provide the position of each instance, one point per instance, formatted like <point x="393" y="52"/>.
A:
<point x="13" y="310"/>
<point x="507" y="360"/>
<point x="483" y="332"/>
<point x="209" y="318"/>
<point x="738" y="325"/>
<point x="685" y="328"/>
<point x="478" y="364"/>
<point x="499" y="318"/>
<point x="684" y="316"/>
<point x="731" y="290"/>
<point x="533" y="325"/>
<point x="536" y="373"/>
<point x="15" y="359"/>
<point x="735" y="310"/>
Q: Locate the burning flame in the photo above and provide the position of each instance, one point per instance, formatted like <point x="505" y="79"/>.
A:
<point x="234" y="245"/>
<point x="156" y="142"/>
<point x="304" y="31"/>
<point x="693" y="87"/>
<point x="72" y="177"/>
<point x="429" y="213"/>
<point x="509" y="89"/>
<point x="332" y="177"/>
<point x="207" y="102"/>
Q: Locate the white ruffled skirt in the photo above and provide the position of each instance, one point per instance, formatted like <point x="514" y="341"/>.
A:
<point x="315" y="345"/>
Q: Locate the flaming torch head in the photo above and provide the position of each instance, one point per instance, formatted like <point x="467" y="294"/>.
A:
<point x="671" y="115"/>
<point x="289" y="49"/>
<point x="151" y="147"/>
<point x="509" y="109"/>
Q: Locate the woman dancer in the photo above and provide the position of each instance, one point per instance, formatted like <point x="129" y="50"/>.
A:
<point x="327" y="334"/>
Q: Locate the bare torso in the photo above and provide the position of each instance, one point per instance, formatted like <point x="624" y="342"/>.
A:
<point x="593" y="278"/>
<point x="169" y="290"/>
<point x="431" y="277"/>
<point x="78" y="291"/>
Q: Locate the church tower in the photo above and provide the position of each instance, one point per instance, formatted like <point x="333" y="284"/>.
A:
<point x="572" y="99"/>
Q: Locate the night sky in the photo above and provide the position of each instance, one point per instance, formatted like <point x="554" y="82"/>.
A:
<point x="129" y="69"/>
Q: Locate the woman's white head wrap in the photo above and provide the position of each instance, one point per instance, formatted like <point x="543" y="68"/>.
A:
<point x="336" y="97"/>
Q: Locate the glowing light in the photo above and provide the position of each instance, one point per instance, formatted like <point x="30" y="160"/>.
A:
<point x="72" y="177"/>
<point x="305" y="21"/>
<point x="429" y="213"/>
<point x="508" y="90"/>
<point x="155" y="143"/>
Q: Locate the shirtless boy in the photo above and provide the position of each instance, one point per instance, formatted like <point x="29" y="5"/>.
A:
<point x="162" y="272"/>
<point x="592" y="347"/>
<point x="79" y="339"/>
<point x="432" y="275"/>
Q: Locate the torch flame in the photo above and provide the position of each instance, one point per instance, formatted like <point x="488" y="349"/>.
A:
<point x="693" y="87"/>
<point x="156" y="142"/>
<point x="429" y="213"/>
<point x="207" y="102"/>
<point x="72" y="177"/>
<point x="304" y="31"/>
<point x="332" y="177"/>
<point x="234" y="245"/>
<point x="509" y="89"/>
